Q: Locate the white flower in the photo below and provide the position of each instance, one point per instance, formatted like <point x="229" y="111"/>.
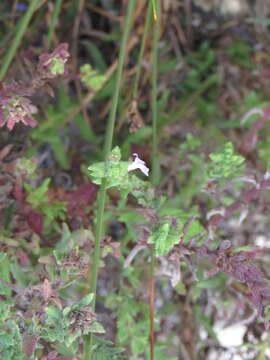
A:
<point x="138" y="164"/>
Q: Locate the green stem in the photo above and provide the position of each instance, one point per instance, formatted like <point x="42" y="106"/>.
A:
<point x="155" y="173"/>
<point x="19" y="34"/>
<point x="152" y="303"/>
<point x="107" y="148"/>
<point x="123" y="47"/>
<point x="55" y="14"/>
<point x="140" y="58"/>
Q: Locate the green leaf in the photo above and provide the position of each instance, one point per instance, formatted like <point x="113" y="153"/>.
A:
<point x="85" y="129"/>
<point x="225" y="163"/>
<point x="104" y="351"/>
<point x="242" y="248"/>
<point x="116" y="174"/>
<point x="94" y="328"/>
<point x="63" y="350"/>
<point x="37" y="197"/>
<point x="116" y="171"/>
<point x="53" y="314"/>
<point x="71" y="337"/>
<point x="195" y="228"/>
<point x="59" y="150"/>
<point x="192" y="143"/>
<point x="96" y="54"/>
<point x="85" y="301"/>
<point x="57" y="66"/>
<point x="212" y="283"/>
<point x="240" y="52"/>
<point x="11" y="342"/>
<point x="2" y="256"/>
<point x="159" y="237"/>
<point x="91" y="77"/>
<point x="164" y="237"/>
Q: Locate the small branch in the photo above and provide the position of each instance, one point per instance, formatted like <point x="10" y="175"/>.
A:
<point x="251" y="138"/>
<point x="237" y="205"/>
<point x="132" y="254"/>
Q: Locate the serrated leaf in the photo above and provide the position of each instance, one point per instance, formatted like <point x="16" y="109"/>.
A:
<point x="91" y="77"/>
<point x="194" y="229"/>
<point x="52" y="314"/>
<point x="161" y="240"/>
<point x="115" y="171"/>
<point x="85" y="301"/>
<point x="95" y="328"/>
<point x="37" y="196"/>
<point x="225" y="163"/>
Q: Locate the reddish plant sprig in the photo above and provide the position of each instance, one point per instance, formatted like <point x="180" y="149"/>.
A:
<point x="54" y="64"/>
<point x="246" y="198"/>
<point x="241" y="267"/>
<point x="250" y="139"/>
<point x="247" y="144"/>
<point x="15" y="108"/>
<point x="15" y="105"/>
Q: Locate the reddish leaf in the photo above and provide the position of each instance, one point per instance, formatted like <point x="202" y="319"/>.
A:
<point x="29" y="344"/>
<point x="83" y="196"/>
<point x="35" y="221"/>
<point x="18" y="192"/>
<point x="23" y="258"/>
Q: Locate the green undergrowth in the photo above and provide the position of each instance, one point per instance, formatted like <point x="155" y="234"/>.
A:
<point x="131" y="214"/>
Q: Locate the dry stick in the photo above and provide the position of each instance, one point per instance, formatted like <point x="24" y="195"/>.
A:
<point x="104" y="13"/>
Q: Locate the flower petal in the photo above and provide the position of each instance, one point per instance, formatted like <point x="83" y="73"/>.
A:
<point x="138" y="164"/>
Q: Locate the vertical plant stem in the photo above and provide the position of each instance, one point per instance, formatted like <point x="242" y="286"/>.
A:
<point x="142" y="48"/>
<point x="76" y="27"/>
<point x="154" y="7"/>
<point x="55" y="14"/>
<point x="155" y="173"/>
<point x="155" y="163"/>
<point x="107" y="147"/>
<point x="19" y="34"/>
<point x="152" y="303"/>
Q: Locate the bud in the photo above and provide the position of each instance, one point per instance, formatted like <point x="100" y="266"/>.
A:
<point x="54" y="64"/>
<point x="14" y="109"/>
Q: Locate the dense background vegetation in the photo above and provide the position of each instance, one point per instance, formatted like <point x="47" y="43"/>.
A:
<point x="134" y="180"/>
